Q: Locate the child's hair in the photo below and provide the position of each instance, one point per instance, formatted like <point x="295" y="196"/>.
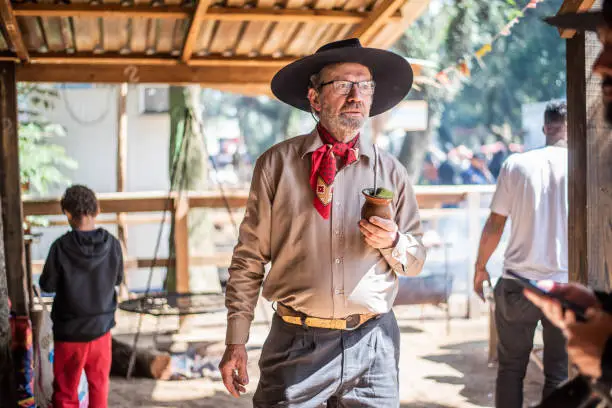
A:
<point x="79" y="201"/>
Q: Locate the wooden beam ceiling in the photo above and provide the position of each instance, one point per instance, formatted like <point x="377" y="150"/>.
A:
<point x="202" y="13"/>
<point x="375" y="20"/>
<point x="180" y="74"/>
<point x="194" y="29"/>
<point x="11" y="28"/>
<point x="391" y="32"/>
<point x="573" y="6"/>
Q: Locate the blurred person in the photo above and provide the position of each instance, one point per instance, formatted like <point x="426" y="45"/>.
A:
<point x="477" y="172"/>
<point x="532" y="192"/>
<point x="83" y="269"/>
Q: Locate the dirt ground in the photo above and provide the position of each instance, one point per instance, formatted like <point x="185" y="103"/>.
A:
<point x="438" y="369"/>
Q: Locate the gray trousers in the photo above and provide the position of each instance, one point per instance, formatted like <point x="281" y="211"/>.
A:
<point x="312" y="367"/>
<point x="516" y="319"/>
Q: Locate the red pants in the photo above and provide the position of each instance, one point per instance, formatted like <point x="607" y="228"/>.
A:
<point x="70" y="358"/>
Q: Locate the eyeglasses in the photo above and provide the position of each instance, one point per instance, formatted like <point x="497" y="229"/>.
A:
<point x="344" y="87"/>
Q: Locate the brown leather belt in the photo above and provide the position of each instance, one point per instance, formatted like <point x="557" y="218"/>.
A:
<point x="349" y="323"/>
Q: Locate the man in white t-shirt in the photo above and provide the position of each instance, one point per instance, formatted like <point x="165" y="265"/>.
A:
<point x="532" y="192"/>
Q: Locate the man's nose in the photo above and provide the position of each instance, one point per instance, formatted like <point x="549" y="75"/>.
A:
<point x="354" y="94"/>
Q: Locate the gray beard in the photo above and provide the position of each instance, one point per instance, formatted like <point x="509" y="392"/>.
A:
<point x="343" y="127"/>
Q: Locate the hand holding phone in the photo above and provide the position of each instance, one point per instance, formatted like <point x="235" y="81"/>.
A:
<point x="579" y="311"/>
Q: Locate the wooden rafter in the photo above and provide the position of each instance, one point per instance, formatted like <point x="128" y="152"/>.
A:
<point x="108" y="58"/>
<point x="573" y="6"/>
<point x="370" y="26"/>
<point x="11" y="30"/>
<point x="394" y="29"/>
<point x="288" y="15"/>
<point x="240" y="61"/>
<point x="104" y="10"/>
<point x="194" y="29"/>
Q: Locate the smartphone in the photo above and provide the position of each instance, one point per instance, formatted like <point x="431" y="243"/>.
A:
<point x="531" y="285"/>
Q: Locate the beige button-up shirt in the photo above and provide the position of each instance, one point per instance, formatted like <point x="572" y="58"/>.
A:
<point x="322" y="268"/>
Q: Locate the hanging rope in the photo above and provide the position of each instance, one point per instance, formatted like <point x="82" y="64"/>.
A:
<point x="173" y="182"/>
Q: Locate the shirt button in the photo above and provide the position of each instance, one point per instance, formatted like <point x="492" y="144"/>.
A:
<point x="338" y="291"/>
<point x="338" y="260"/>
<point x="337" y="232"/>
<point x="338" y="204"/>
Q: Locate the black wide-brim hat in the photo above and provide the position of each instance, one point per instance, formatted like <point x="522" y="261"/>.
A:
<point x="587" y="21"/>
<point x="391" y="73"/>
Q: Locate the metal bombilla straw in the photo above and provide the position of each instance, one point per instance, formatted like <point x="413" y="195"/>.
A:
<point x="375" y="169"/>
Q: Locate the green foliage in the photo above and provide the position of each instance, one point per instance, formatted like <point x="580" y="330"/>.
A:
<point x="41" y="162"/>
<point x="528" y="66"/>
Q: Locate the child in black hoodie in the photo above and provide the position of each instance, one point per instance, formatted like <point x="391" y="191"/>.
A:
<point x="83" y="268"/>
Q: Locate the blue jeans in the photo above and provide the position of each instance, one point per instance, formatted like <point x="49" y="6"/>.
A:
<point x="312" y="367"/>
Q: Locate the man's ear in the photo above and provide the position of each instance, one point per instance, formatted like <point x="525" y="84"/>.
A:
<point x="313" y="97"/>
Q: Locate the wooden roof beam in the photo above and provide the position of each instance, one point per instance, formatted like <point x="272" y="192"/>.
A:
<point x="573" y="6"/>
<point x="11" y="30"/>
<point x="375" y="20"/>
<point x="138" y="59"/>
<point x="194" y="29"/>
<point x="180" y="74"/>
<point x="102" y="10"/>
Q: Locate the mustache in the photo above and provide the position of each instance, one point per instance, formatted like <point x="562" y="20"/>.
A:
<point x="356" y="106"/>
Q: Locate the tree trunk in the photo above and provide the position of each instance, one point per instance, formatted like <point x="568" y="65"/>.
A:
<point x="192" y="175"/>
<point x="413" y="151"/>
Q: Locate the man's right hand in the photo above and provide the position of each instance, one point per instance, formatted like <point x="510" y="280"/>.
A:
<point x="480" y="277"/>
<point x="552" y="309"/>
<point x="233" y="369"/>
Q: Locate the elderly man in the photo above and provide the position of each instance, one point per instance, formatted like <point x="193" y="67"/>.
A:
<point x="334" y="340"/>
<point x="589" y="344"/>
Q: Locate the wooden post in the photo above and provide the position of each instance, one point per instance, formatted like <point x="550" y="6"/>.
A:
<point x="10" y="191"/>
<point x="577" y="152"/>
<point x="181" y="244"/>
<point x="7" y="379"/>
<point x="599" y="179"/>
<point x="122" y="165"/>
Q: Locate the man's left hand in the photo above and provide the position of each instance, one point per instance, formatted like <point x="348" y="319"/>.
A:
<point x="380" y="233"/>
<point x="586" y="341"/>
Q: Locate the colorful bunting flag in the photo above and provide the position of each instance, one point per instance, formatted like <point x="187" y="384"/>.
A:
<point x="484" y="50"/>
<point x="463" y="68"/>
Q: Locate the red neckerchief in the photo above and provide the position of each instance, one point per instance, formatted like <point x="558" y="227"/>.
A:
<point x="323" y="170"/>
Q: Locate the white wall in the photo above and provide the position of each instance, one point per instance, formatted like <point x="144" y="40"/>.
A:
<point x="90" y="119"/>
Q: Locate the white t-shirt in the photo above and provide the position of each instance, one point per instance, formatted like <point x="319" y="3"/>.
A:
<point x="532" y="191"/>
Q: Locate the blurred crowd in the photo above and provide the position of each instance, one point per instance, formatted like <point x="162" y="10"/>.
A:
<point x="462" y="165"/>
